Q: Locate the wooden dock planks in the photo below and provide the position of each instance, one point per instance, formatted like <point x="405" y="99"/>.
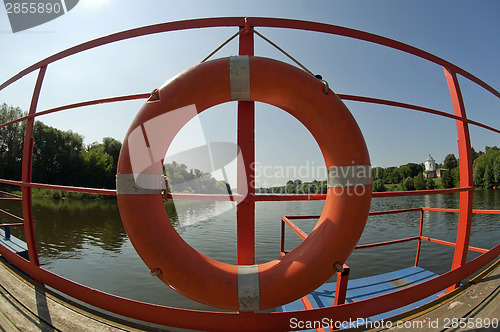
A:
<point x="27" y="306"/>
<point x="475" y="306"/>
<point x="363" y="288"/>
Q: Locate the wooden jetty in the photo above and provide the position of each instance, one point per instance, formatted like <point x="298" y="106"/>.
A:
<point x="473" y="307"/>
<point x="26" y="305"/>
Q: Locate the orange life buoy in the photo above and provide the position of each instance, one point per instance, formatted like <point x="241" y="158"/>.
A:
<point x="267" y="285"/>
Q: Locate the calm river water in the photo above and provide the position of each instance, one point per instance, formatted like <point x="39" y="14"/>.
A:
<point x="86" y="242"/>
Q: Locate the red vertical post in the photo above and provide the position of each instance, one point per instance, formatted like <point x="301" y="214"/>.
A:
<point x="282" y="241"/>
<point x="420" y="231"/>
<point x="341" y="286"/>
<point x="245" y="211"/>
<point x="26" y="172"/>
<point x="466" y="178"/>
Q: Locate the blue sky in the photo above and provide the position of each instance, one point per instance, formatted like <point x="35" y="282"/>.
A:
<point x="462" y="32"/>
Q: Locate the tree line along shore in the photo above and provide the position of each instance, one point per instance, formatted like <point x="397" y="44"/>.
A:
<point x="486" y="170"/>
<point x="61" y="157"/>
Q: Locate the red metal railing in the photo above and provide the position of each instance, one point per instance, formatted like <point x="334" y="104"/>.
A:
<point x="256" y="321"/>
<point x="286" y="220"/>
<point x="343" y="274"/>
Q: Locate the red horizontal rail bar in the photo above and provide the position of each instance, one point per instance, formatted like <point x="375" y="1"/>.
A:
<point x="11" y="215"/>
<point x="416" y="108"/>
<point x="239" y="198"/>
<point x="421" y="192"/>
<point x="317" y="197"/>
<point x="10" y="199"/>
<point x="303" y="217"/>
<point x="9" y="194"/>
<point x="376" y="213"/>
<point x="206" y="197"/>
<point x="108" y="192"/>
<point x="81" y="104"/>
<point x="482" y="125"/>
<point x="303" y="235"/>
<point x="457" y="210"/>
<point x="300" y="233"/>
<point x="11" y="225"/>
<point x="373" y="213"/>
<point x="369" y="37"/>
<point x="486" y="211"/>
<point x="378" y="244"/>
<point x="289" y="197"/>
<point x="451" y="244"/>
<point x="399" y="104"/>
<point x="132" y="33"/>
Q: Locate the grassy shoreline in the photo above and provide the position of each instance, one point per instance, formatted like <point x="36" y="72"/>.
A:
<point x="399" y="187"/>
<point x="59" y="194"/>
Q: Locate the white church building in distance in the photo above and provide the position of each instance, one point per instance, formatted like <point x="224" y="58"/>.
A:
<point x="430" y="169"/>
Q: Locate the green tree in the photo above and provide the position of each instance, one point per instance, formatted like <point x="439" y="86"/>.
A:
<point x="405" y="171"/>
<point x="496" y="170"/>
<point x="192" y="181"/>
<point x="478" y="171"/>
<point x="450" y="162"/>
<point x="489" y="179"/>
<point x="97" y="168"/>
<point x="408" y="184"/>
<point x="378" y="186"/>
<point x="392" y="175"/>
<point x="447" y="179"/>
<point x="56" y="155"/>
<point x="378" y="173"/>
<point x="429" y="184"/>
<point x="486" y="168"/>
<point x="415" y="169"/>
<point x="59" y="157"/>
<point x="491" y="149"/>
<point x="11" y="143"/>
<point x="475" y="154"/>
<point x="112" y="148"/>
<point x="455" y="174"/>
<point x="419" y="181"/>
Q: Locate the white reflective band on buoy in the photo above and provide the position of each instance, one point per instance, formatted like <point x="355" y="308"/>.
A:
<point x="239" y="77"/>
<point x="248" y="288"/>
<point x="140" y="184"/>
<point x="348" y="176"/>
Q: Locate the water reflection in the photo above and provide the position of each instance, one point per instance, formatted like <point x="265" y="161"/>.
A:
<point x="64" y="228"/>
